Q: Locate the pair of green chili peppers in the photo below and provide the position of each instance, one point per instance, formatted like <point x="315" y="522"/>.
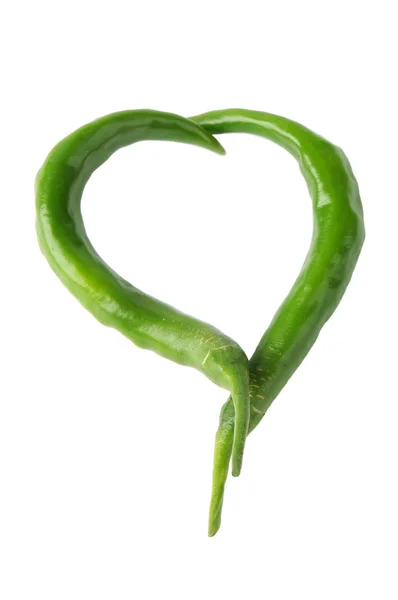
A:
<point x="338" y="235"/>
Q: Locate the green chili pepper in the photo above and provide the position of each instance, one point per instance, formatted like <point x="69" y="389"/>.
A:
<point x="338" y="235"/>
<point x="337" y="239"/>
<point x="147" y="322"/>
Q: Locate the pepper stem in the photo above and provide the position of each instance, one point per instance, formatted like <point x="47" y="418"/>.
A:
<point x="222" y="456"/>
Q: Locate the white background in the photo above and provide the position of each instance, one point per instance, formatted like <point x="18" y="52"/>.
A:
<point x="105" y="449"/>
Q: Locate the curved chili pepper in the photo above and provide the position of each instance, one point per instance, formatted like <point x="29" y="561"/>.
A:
<point x="146" y="321"/>
<point x="338" y="235"/>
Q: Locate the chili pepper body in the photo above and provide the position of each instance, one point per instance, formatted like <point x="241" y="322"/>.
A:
<point x="338" y="236"/>
<point x="146" y="321"/>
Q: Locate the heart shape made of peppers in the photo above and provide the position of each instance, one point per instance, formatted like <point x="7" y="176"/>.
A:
<point x="338" y="235"/>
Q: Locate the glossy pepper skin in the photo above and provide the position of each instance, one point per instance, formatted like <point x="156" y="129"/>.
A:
<point x="146" y="321"/>
<point x="338" y="235"/>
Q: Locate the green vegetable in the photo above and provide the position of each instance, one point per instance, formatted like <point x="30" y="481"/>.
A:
<point x="147" y="322"/>
<point x="338" y="235"/>
<point x="337" y="239"/>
